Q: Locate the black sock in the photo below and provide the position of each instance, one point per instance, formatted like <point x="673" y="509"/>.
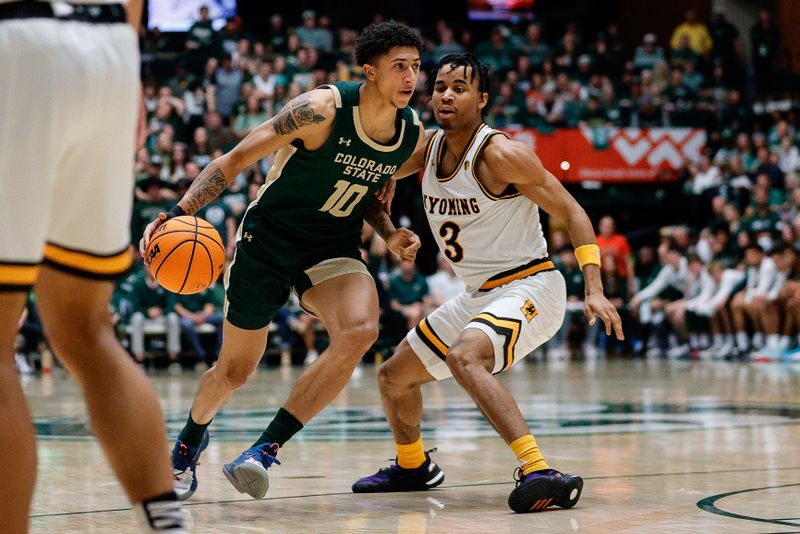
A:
<point x="281" y="429"/>
<point x="192" y="433"/>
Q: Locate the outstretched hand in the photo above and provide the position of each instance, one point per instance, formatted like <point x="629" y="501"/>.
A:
<point x="598" y="306"/>
<point x="404" y="243"/>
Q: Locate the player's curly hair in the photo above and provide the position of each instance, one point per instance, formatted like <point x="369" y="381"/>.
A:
<point x="378" y="38"/>
<point x="465" y="60"/>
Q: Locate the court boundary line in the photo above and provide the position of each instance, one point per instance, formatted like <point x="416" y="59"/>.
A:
<point x="478" y="484"/>
<point x="708" y="505"/>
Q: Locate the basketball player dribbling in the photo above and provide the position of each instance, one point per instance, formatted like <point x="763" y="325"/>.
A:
<point x="481" y="193"/>
<point x="334" y="147"/>
<point x="69" y="104"/>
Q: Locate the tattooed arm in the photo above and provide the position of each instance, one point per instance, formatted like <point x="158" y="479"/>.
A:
<point x="308" y="118"/>
<point x="377" y="218"/>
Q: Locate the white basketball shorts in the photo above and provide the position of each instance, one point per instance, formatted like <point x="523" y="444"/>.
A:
<point x="517" y="317"/>
<point x="68" y="109"/>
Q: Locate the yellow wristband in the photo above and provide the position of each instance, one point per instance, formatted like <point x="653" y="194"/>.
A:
<point x="588" y="255"/>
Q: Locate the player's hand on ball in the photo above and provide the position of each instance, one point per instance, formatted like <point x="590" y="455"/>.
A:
<point x="598" y="306"/>
<point x="404" y="243"/>
<point x="148" y="234"/>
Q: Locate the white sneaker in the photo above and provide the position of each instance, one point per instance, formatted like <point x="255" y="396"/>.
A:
<point x="678" y="352"/>
<point x="558" y="353"/>
<point x="23" y="367"/>
<point x="311" y="357"/>
<point x="590" y="350"/>
<point x="655" y="352"/>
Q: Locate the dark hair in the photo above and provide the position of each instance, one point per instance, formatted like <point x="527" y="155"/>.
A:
<point x="463" y="60"/>
<point x="377" y="39"/>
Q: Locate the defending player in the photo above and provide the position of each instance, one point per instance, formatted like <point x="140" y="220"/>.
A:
<point x="481" y="193"/>
<point x="335" y="146"/>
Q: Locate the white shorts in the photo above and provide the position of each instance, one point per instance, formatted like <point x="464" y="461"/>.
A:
<point x="517" y="317"/>
<point x="68" y="110"/>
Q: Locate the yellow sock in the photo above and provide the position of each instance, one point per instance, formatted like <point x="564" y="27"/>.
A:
<point x="527" y="450"/>
<point x="410" y="456"/>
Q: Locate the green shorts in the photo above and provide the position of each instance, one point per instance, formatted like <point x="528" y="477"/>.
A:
<point x="268" y="264"/>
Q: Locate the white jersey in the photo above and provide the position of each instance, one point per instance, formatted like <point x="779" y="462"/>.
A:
<point x="487" y="238"/>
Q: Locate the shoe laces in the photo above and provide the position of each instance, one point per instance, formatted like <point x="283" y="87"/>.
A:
<point x="520" y="477"/>
<point x="266" y="455"/>
<point x="186" y="458"/>
<point x="394" y="466"/>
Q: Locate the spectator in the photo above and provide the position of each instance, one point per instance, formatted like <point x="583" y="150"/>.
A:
<point x="148" y="208"/>
<point x="535" y="48"/>
<point x="648" y="55"/>
<point x="447" y="44"/>
<point x="310" y="35"/>
<point x="648" y="303"/>
<point x="765" y="41"/>
<point x="726" y="45"/>
<point x="407" y="292"/>
<point x="197" y="310"/>
<point x="229" y="85"/>
<point x="220" y="137"/>
<point x="558" y="347"/>
<point x="152" y="307"/>
<point x="694" y="32"/>
<point x="750" y="302"/>
<point x="444" y="285"/>
<point x="614" y="244"/>
<point x="202" y="42"/>
<point x="252" y="117"/>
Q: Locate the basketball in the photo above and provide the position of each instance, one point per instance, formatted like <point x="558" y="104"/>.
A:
<point x="186" y="255"/>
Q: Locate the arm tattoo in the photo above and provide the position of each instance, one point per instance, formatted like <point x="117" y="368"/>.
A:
<point x="295" y="115"/>
<point x="203" y="190"/>
<point x="379" y="219"/>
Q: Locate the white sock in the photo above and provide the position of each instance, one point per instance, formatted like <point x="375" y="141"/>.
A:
<point x="719" y="340"/>
<point x="758" y="340"/>
<point x="694" y="341"/>
<point x="742" y="341"/>
<point x="785" y="342"/>
<point x="704" y="340"/>
<point x="729" y="339"/>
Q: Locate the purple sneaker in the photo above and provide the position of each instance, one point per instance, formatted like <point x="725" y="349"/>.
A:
<point x="396" y="478"/>
<point x="536" y="491"/>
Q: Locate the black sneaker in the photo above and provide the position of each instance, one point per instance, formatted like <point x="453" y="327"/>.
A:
<point x="396" y="478"/>
<point x="536" y="491"/>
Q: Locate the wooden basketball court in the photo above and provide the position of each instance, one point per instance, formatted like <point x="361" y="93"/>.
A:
<point x="663" y="446"/>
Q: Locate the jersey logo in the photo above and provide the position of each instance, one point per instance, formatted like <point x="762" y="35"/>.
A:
<point x="345" y="142"/>
<point x="529" y="310"/>
<point x="248" y="236"/>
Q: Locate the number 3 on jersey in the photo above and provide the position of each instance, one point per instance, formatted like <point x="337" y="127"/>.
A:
<point x="342" y="194"/>
<point x="453" y="250"/>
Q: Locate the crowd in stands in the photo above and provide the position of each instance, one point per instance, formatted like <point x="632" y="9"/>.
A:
<point x="722" y="282"/>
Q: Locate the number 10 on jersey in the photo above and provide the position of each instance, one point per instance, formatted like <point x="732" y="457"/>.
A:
<point x="344" y="198"/>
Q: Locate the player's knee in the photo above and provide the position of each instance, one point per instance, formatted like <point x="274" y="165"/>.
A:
<point x="360" y="334"/>
<point x="463" y="363"/>
<point x="234" y="376"/>
<point x="389" y="381"/>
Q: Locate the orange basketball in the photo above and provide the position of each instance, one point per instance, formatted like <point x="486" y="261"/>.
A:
<point x="186" y="255"/>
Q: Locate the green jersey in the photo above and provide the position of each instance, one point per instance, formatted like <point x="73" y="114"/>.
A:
<point x="322" y="195"/>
